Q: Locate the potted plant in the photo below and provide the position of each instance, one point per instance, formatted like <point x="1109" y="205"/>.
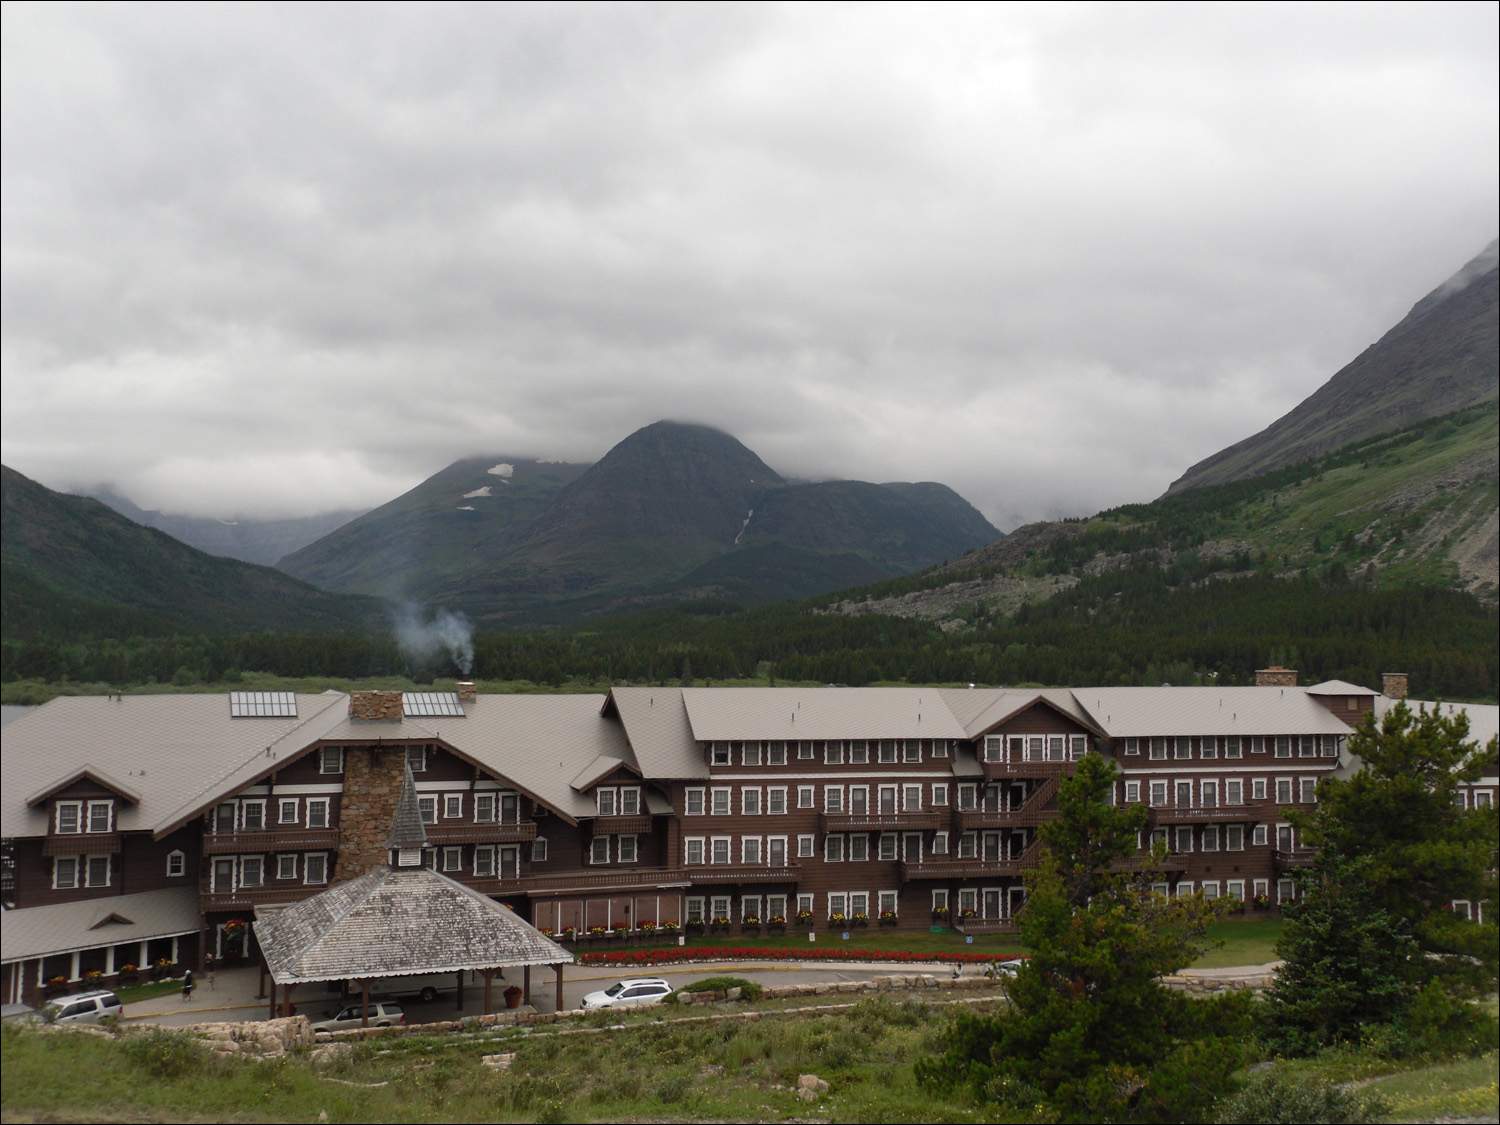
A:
<point x="837" y="921"/>
<point x="804" y="919"/>
<point x="939" y="913"/>
<point x="669" y="928"/>
<point x="648" y="929"/>
<point x="596" y="931"/>
<point x="750" y="924"/>
<point x="513" y="996"/>
<point x="719" y="925"/>
<point x="129" y="973"/>
<point x="1262" y="901"/>
<point x="621" y="929"/>
<point x="776" y="924"/>
<point x="569" y="934"/>
<point x="860" y="919"/>
<point x="56" y="985"/>
<point x="887" y="917"/>
<point x="695" y="926"/>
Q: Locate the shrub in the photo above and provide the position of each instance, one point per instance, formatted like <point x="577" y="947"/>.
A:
<point x="1273" y="1096"/>
<point x="749" y="990"/>
<point x="1441" y="1024"/>
<point x="166" y="1054"/>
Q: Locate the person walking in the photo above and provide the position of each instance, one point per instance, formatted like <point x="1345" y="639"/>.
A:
<point x="187" y="986"/>
<point x="209" y="969"/>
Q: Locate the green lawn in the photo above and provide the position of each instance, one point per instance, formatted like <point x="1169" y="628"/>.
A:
<point x="1466" y="1088"/>
<point x="1247" y="940"/>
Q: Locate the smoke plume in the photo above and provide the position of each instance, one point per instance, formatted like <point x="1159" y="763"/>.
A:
<point x="421" y="636"/>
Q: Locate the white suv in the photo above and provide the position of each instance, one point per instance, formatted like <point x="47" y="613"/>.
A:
<point x="628" y="993"/>
<point x="86" y="1007"/>
<point x="383" y="1013"/>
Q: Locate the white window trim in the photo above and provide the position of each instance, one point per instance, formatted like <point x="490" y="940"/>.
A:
<point x="307" y="868"/>
<point x="283" y="804"/>
<point x="178" y="858"/>
<point x="286" y="866"/>
<point x="687" y="800"/>
<point x="322" y="803"/>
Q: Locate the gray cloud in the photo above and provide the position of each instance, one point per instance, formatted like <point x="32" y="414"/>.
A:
<point x="269" y="260"/>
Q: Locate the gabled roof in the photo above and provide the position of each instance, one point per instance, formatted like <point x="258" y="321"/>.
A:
<point x="1000" y="705"/>
<point x="655" y="724"/>
<point x="40" y="931"/>
<point x="1338" y="687"/>
<point x="398" y="923"/>
<point x="596" y="771"/>
<point x="721" y="714"/>
<point x="1140" y="712"/>
<point x="97" y="776"/>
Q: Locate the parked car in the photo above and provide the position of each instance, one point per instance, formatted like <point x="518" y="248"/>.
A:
<point x="383" y="1013"/>
<point x="628" y="993"/>
<point x="84" y="1007"/>
<point x="425" y="987"/>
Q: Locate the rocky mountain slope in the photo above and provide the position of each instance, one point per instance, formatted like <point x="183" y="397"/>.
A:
<point x="1444" y="355"/>
<point x="672" y="512"/>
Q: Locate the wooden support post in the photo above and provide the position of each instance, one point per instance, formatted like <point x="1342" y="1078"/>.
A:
<point x="286" y="999"/>
<point x="526" y="982"/>
<point x="459" y="992"/>
<point x="559" y="970"/>
<point x="261" y="981"/>
<point x="271" y="1004"/>
<point x="364" y="1003"/>
<point x="489" y="980"/>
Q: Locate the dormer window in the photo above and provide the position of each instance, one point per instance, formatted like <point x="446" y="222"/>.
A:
<point x="69" y="817"/>
<point x="606" y="802"/>
<point x="101" y="816"/>
<point x="630" y="802"/>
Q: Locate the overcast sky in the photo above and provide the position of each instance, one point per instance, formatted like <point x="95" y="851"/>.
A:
<point x="274" y="260"/>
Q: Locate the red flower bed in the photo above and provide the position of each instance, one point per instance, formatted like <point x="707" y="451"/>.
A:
<point x="751" y="953"/>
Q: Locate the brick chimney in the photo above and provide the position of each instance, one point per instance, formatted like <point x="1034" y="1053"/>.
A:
<point x="1276" y="676"/>
<point x="467" y="692"/>
<point x="375" y="705"/>
<point x="1393" y="685"/>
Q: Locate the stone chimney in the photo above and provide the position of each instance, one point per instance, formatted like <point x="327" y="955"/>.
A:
<point x="467" y="692"/>
<point x="1393" y="685"/>
<point x="1276" y="676"/>
<point x="375" y="705"/>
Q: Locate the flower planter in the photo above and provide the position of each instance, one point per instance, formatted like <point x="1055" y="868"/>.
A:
<point x="513" y="997"/>
<point x="750" y="930"/>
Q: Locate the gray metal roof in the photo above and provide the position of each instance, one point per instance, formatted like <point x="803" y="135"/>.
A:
<point x="1484" y="718"/>
<point x="65" y="927"/>
<point x="717" y="714"/>
<point x="396" y="923"/>
<point x="979" y="710"/>
<point x="655" y="723"/>
<point x="1132" y="712"/>
<point x="174" y="750"/>
<point x="1338" y="687"/>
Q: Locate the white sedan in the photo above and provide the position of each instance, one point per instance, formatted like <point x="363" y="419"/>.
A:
<point x="628" y="994"/>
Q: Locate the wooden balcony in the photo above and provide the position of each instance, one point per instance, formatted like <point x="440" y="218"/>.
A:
<point x="272" y="840"/>
<point x="1290" y="859"/>
<point x="82" y="843"/>
<point x="621" y="825"/>
<point x="606" y="879"/>
<point x="1214" y="814"/>
<point x="977" y="925"/>
<point x="491" y="832"/>
<point x="967" y="870"/>
<point x="743" y="873"/>
<point x="882" y="821"/>
<point x="993" y="771"/>
<point x="247" y="899"/>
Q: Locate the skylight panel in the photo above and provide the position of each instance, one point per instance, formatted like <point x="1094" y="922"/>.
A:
<point x="432" y="703"/>
<point x="262" y="705"/>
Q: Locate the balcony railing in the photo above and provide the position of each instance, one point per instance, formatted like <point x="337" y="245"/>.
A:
<point x="82" y="843"/>
<point x="743" y="873"/>
<point x="1206" y="814"/>
<point x="272" y="840"/>
<point x="248" y="898"/>
<point x="882" y="821"/>
<point x="607" y="879"/>
<point x="489" y="832"/>
<point x="994" y="770"/>
<point x="1287" y="859"/>
<point x="633" y="825"/>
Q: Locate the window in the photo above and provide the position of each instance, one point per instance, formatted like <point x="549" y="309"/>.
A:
<point x="1258" y="836"/>
<point x="1234" y="791"/>
<point x="484" y="858"/>
<point x="1232" y="749"/>
<point x="252" y="870"/>
<point x="1283" y="746"/>
<point x="1330" y="746"/>
<point x="833" y="849"/>
<point x="1158" y="749"/>
<point x="833" y="753"/>
<point x="1283" y="791"/>
<point x="599" y="849"/>
<point x="100" y="815"/>
<point x="1309" y="790"/>
<point x="967" y="797"/>
<point x="912" y="751"/>
<point x="1261" y="886"/>
<point x="939" y="794"/>
<point x="1158" y="794"/>
<point x="886" y="900"/>
<point x="1132" y="746"/>
<point x="1211" y="838"/>
<point x="750" y="802"/>
<point x="1132" y="792"/>
<point x="911" y="798"/>
<point x="887" y="800"/>
<point x="416" y="758"/>
<point x="453" y="805"/>
<point x="1183" y="747"/>
<point x="833" y="799"/>
<point x="749" y="849"/>
<point x="939" y="747"/>
<point x="720" y="849"/>
<point x="694" y="853"/>
<point x="750" y="753"/>
<point x="1463" y="908"/>
<point x="776" y="906"/>
<point x="805" y="796"/>
<point x="939" y="900"/>
<point x="69" y="817"/>
<point x="1235" y="889"/>
<point x="911" y="847"/>
<point x="859" y="848"/>
<point x="695" y="910"/>
<point x="967" y="845"/>
<point x="1158" y="836"/>
<point x="605" y="800"/>
<point x="940" y="843"/>
<point x="859" y="752"/>
<point x="176" y="865"/>
<point x="1257" y="744"/>
<point x="65" y="873"/>
<point x="837" y="905"/>
<point x="315" y="867"/>
<point x="805" y="750"/>
<point x="721" y="802"/>
<point x="805" y="847"/>
<point x="453" y="859"/>
<point x="968" y="900"/>
<point x="776" y="800"/>
<point x="630" y="801"/>
<point x="1183" y="841"/>
<point x="887" y="847"/>
<point x="1286" y="891"/>
<point x="286" y="867"/>
<point x="1185" y="889"/>
<point x="859" y="903"/>
<point x="1184" y="795"/>
<point x="428" y="805"/>
<point x="693" y="802"/>
<point x="286" y="811"/>
<point x="484" y="808"/>
<point x="776" y="755"/>
<point x="539" y="850"/>
<point x="627" y="849"/>
<point x="720" y="753"/>
<point x="1257" y="789"/>
<point x="252" y="815"/>
<point x="1208" y="747"/>
<point x="1210" y="888"/>
<point x="1078" y="746"/>
<point x="887" y="750"/>
<point x="776" y="852"/>
<point x="1483" y="798"/>
<point x="750" y="906"/>
<point x="1234" y="837"/>
<point x="331" y="759"/>
<point x="1209" y="791"/>
<point x="1307" y="746"/>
